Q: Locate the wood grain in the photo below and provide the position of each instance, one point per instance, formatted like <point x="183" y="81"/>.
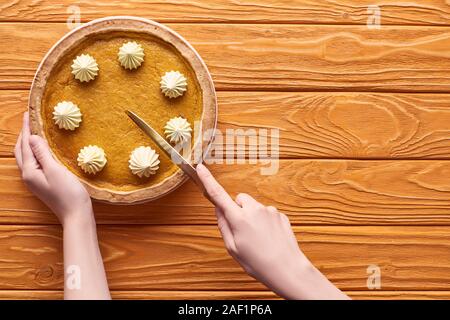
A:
<point x="277" y="57"/>
<point x="186" y="258"/>
<point x="312" y="125"/>
<point x="144" y="295"/>
<point x="220" y="295"/>
<point x="338" y="125"/>
<point x="12" y="106"/>
<point x="421" y="12"/>
<point x="172" y="250"/>
<point x="313" y="192"/>
<point x="399" y="295"/>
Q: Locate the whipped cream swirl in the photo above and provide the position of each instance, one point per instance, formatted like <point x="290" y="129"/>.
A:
<point x="177" y="130"/>
<point x="84" y="68"/>
<point x="91" y="159"/>
<point x="173" y="84"/>
<point x="144" y="162"/>
<point x="131" y="55"/>
<point x="67" y="115"/>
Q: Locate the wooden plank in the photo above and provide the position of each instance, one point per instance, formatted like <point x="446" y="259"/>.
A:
<point x="312" y="125"/>
<point x="12" y="106"/>
<point x="220" y="295"/>
<point x="335" y="125"/>
<point x="422" y="12"/>
<point x="311" y="192"/>
<point x="399" y="295"/>
<point x="144" y="295"/>
<point x="277" y="57"/>
<point x="194" y="258"/>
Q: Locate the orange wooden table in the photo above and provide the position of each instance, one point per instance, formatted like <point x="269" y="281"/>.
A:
<point x="364" y="120"/>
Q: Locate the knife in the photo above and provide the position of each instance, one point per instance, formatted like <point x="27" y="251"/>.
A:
<point x="168" y="149"/>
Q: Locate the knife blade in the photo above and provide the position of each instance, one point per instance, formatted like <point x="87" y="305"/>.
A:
<point x="170" y="151"/>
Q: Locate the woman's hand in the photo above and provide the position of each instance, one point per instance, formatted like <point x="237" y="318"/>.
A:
<point x="261" y="240"/>
<point x="63" y="193"/>
<point x="51" y="182"/>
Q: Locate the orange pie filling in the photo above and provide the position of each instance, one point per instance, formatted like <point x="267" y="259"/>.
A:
<point x="139" y="85"/>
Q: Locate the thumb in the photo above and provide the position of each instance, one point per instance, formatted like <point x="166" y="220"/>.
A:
<point x="41" y="152"/>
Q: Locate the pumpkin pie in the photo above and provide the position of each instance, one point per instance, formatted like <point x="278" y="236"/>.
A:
<point x="115" y="88"/>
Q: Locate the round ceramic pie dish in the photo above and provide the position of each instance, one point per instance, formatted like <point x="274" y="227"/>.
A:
<point x="103" y="102"/>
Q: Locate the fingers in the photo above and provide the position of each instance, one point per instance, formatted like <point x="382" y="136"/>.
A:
<point x="28" y="160"/>
<point x="215" y="191"/>
<point x="272" y="209"/>
<point x="285" y="219"/>
<point x="33" y="178"/>
<point x="225" y="231"/>
<point x="42" y="153"/>
<point x="246" y="201"/>
<point x="18" y="151"/>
